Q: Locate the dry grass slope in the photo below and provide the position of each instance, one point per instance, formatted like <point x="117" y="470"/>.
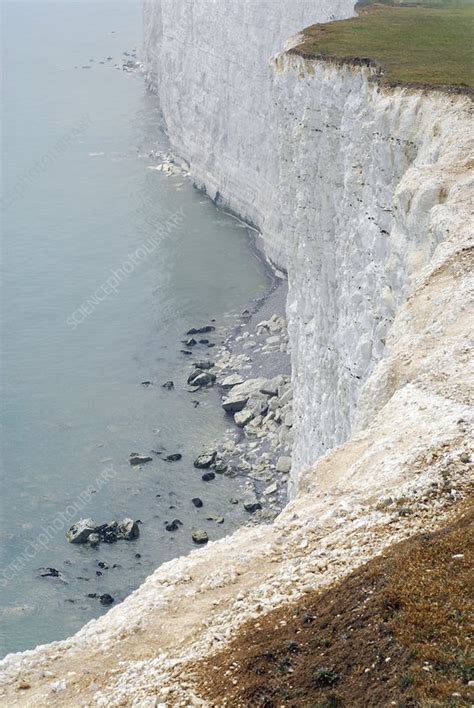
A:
<point x="395" y="632"/>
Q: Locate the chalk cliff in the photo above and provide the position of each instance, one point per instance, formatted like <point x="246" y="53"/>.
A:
<point x="362" y="196"/>
<point x="350" y="187"/>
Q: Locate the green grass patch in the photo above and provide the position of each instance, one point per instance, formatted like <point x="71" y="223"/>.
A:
<point x="429" y="44"/>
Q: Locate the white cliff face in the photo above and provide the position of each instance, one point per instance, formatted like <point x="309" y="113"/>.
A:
<point x="367" y="182"/>
<point x="344" y="181"/>
<point x="209" y="62"/>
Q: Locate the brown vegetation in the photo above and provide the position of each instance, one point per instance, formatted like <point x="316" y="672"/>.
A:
<point x="395" y="632"/>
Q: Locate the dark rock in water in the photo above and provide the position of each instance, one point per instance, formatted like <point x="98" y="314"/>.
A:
<point x="98" y="573"/>
<point x="173" y="525"/>
<point x="211" y="344"/>
<point x="108" y="532"/>
<point x="195" y="403"/>
<point x="197" y="502"/>
<point x="199" y="377"/>
<point x="190" y="342"/>
<point x="92" y="594"/>
<point x="137" y="459"/>
<point x="201" y="330"/>
<point x="233" y="500"/>
<point x="173" y="458"/>
<point x="138" y="555"/>
<point x="128" y="530"/>
<point x="106" y="599"/>
<point x="103" y="565"/>
<point x="200" y="537"/>
<point x="204" y="379"/>
<point x="184" y="351"/>
<point x="194" y="374"/>
<point x="169" y="385"/>
<point x="208" y="476"/>
<point x="252" y="505"/>
<point x="49" y="573"/>
<point x="220" y="467"/>
<point x="81" y="530"/>
<point x="147" y="383"/>
<point x="203" y="341"/>
<point x="205" y="460"/>
<point x="203" y="365"/>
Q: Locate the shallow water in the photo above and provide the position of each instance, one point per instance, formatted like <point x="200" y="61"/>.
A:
<point x="80" y="197"/>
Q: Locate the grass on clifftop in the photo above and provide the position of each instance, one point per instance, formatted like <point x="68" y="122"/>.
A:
<point x="430" y="44"/>
<point x="397" y="631"/>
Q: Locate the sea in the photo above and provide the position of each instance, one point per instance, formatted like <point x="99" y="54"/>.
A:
<point x="106" y="262"/>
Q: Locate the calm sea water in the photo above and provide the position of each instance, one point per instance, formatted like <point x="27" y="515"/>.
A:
<point x="80" y="196"/>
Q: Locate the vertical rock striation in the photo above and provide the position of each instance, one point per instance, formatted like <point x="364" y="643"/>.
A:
<point x="350" y="186"/>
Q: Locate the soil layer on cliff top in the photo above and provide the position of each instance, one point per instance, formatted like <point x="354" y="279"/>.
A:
<point x="395" y="632"/>
<point x="425" y="44"/>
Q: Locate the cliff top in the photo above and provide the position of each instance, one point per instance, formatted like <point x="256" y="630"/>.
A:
<point x="426" y="44"/>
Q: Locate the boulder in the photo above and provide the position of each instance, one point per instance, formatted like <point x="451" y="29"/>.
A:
<point x="81" y="530"/>
<point x="175" y="457"/>
<point x="205" y="460"/>
<point x="169" y="385"/>
<point x="204" y="379"/>
<point x="270" y="387"/>
<point x="231" y="381"/>
<point x="235" y="402"/>
<point x="204" y="365"/>
<point x="106" y="599"/>
<point x="49" y="573"/>
<point x="200" y="537"/>
<point x="285" y="395"/>
<point x="197" y="502"/>
<point x="136" y="459"/>
<point x="208" y="476"/>
<point x="256" y="406"/>
<point x="128" y="530"/>
<point x="200" y="330"/>
<point x="283" y="465"/>
<point x="173" y="525"/>
<point x="194" y="374"/>
<point x="252" y="505"/>
<point x="108" y="532"/>
<point x="240" y="394"/>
